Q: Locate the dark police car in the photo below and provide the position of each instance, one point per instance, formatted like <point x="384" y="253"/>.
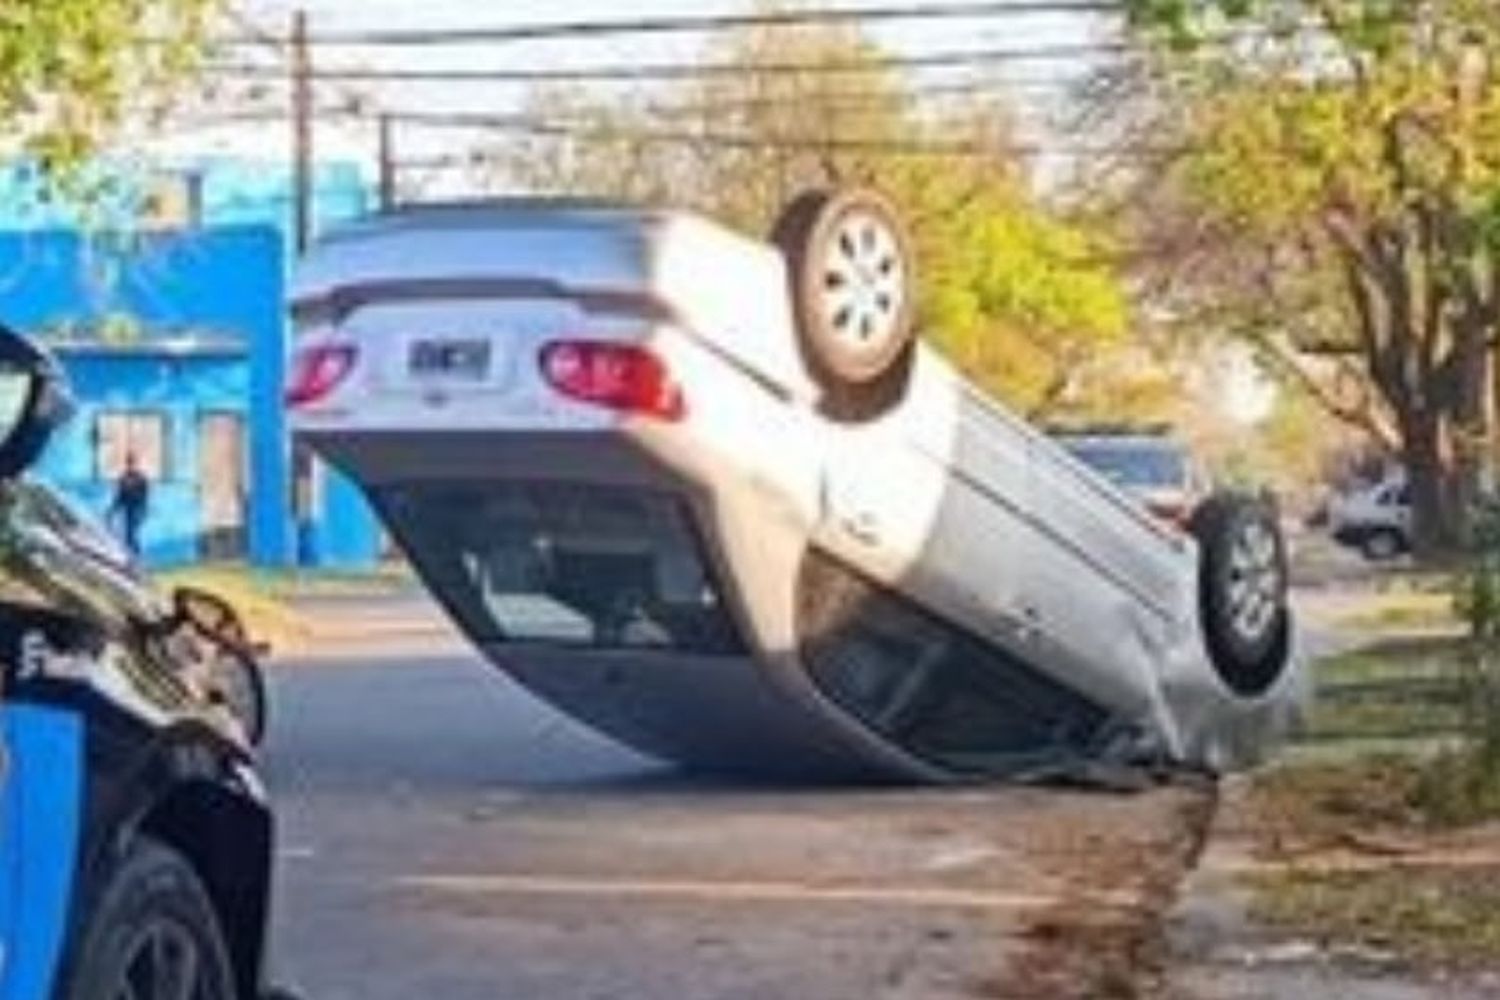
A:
<point x="135" y="842"/>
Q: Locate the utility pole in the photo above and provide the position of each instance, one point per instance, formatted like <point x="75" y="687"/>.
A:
<point x="304" y="471"/>
<point x="301" y="64"/>
<point x="387" y="155"/>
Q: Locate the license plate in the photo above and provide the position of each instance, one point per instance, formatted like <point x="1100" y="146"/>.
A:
<point x="467" y="360"/>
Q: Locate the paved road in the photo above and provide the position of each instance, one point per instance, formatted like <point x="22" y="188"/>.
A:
<point x="445" y="836"/>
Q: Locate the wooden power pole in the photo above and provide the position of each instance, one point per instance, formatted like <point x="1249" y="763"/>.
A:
<point x="301" y="63"/>
<point x="304" y="474"/>
<point x="387" y="155"/>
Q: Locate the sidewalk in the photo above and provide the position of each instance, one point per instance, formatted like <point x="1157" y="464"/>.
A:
<point x="405" y="624"/>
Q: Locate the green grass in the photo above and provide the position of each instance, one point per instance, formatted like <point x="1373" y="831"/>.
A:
<point x="1400" y="689"/>
<point x="1435" y="701"/>
<point x="1404" y="610"/>
<point x="1432" y="917"/>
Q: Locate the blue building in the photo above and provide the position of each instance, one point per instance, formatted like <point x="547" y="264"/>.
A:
<point x="175" y="337"/>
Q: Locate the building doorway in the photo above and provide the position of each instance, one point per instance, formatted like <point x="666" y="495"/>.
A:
<point x="222" y="491"/>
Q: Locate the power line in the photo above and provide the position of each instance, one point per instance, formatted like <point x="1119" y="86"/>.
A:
<point x="677" y="109"/>
<point x="281" y="48"/>
<point x="676" y="71"/>
<point x="531" y="125"/>
<point x="999" y="89"/>
<point x="707" y="23"/>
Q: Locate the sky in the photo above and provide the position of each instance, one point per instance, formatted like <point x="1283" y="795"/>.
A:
<point x="190" y="136"/>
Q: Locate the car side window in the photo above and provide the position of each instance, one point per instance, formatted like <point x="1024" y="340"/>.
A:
<point x="933" y="688"/>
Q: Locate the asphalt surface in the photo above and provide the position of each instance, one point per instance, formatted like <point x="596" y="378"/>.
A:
<point x="444" y="835"/>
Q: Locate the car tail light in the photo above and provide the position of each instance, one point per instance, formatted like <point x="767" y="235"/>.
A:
<point x="317" y="370"/>
<point x="623" y="377"/>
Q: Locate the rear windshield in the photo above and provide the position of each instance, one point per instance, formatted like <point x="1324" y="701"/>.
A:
<point x="1132" y="465"/>
<point x="592" y="566"/>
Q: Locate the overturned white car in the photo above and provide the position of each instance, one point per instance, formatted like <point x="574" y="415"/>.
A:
<point x="713" y="497"/>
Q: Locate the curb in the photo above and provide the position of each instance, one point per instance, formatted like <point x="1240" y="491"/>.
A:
<point x="1211" y="906"/>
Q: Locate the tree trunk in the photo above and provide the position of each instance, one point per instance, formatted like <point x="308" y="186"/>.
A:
<point x="1436" y="514"/>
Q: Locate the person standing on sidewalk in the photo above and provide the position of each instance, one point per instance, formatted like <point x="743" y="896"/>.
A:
<point x="131" y="503"/>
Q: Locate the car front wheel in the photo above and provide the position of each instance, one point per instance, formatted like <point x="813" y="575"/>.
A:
<point x="152" y="934"/>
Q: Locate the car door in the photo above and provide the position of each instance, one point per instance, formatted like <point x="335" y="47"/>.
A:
<point x="10" y="846"/>
<point x="936" y="505"/>
<point x="1107" y="581"/>
<point x="33" y="402"/>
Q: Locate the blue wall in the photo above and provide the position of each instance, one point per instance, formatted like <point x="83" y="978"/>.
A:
<point x="226" y="282"/>
<point x="208" y="305"/>
<point x="182" y="389"/>
<point x="224" y="285"/>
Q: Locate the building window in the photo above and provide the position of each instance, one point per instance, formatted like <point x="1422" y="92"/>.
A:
<point x="122" y="433"/>
<point x="172" y="200"/>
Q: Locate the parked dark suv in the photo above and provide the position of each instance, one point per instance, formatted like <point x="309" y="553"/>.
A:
<point x="135" y="841"/>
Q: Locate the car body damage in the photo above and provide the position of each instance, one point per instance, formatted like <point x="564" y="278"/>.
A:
<point x="711" y="495"/>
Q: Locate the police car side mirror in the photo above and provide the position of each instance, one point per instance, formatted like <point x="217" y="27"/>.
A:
<point x="211" y="616"/>
<point x="34" y="401"/>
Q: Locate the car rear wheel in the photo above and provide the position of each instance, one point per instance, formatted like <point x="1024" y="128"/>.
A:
<point x="1383" y="545"/>
<point x="853" y="285"/>
<point x="1243" y="591"/>
<point x="152" y="934"/>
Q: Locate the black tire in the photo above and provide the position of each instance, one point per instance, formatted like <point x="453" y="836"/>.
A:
<point x="853" y="284"/>
<point x="1382" y="545"/>
<point x="1243" y="590"/>
<point x="151" y="912"/>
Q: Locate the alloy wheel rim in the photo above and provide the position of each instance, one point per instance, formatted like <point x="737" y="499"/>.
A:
<point x="1255" y="581"/>
<point x="864" y="283"/>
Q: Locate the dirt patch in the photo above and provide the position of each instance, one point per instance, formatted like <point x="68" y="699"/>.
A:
<point x="1435" y="917"/>
<point x="1352" y="857"/>
<point x="1075" y="948"/>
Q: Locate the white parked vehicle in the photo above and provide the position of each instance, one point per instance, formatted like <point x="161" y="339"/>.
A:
<point x="1156" y="469"/>
<point x="1374" y="518"/>
<point x="713" y="497"/>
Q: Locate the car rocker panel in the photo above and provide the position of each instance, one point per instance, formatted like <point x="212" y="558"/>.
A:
<point x="676" y="432"/>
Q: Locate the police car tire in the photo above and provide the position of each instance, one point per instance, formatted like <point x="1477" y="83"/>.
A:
<point x="859" y="350"/>
<point x="150" y="884"/>
<point x="1241" y="547"/>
